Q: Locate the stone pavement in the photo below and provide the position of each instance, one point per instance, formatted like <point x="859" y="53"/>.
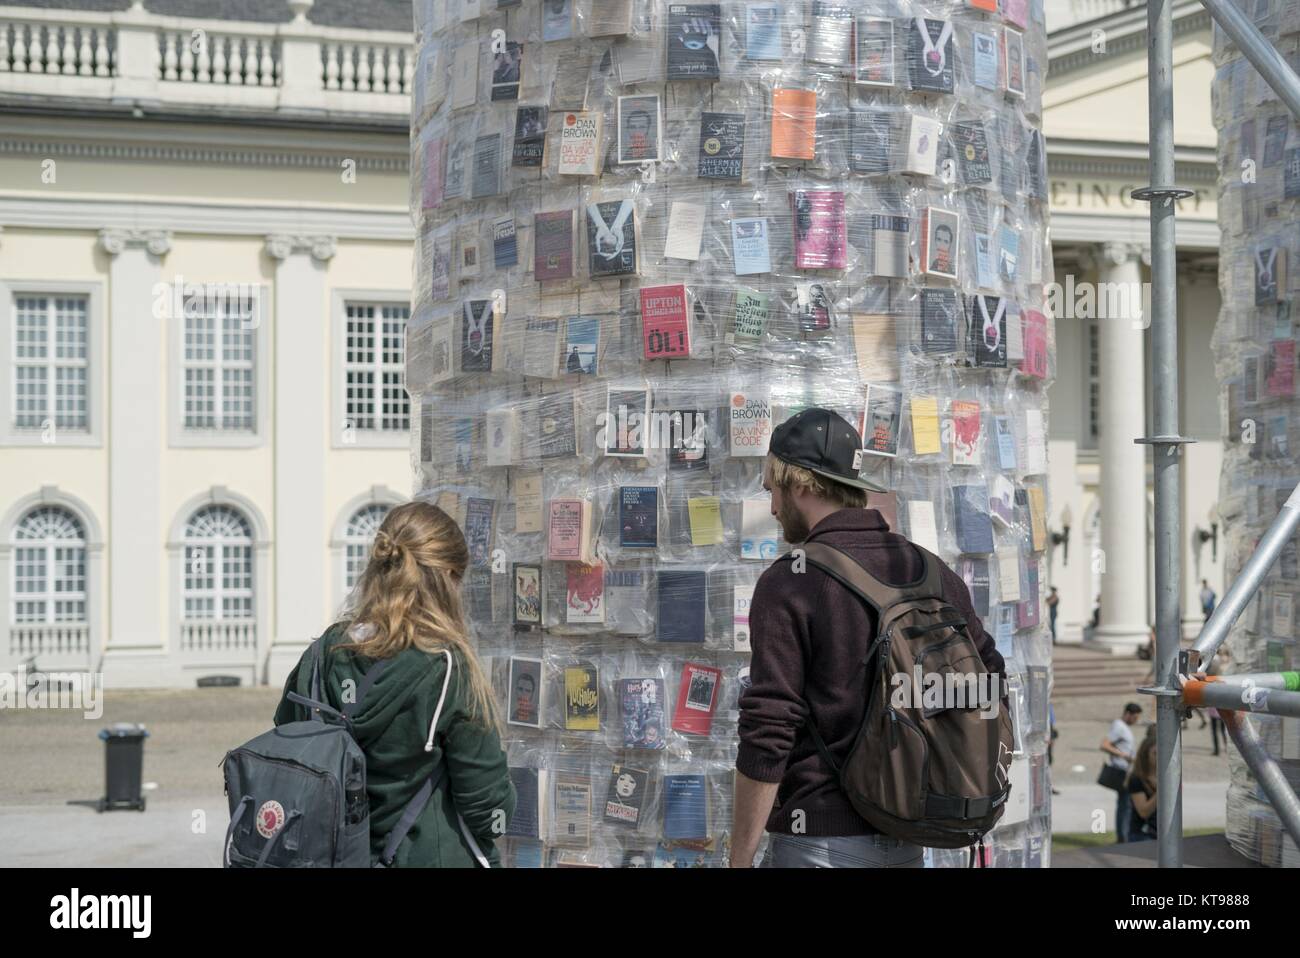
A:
<point x="52" y="758"/>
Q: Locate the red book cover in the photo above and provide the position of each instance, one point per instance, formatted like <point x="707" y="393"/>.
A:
<point x="1035" y="361"/>
<point x="697" y="699"/>
<point x="665" y="322"/>
<point x="820" y="237"/>
<point x="553" y="246"/>
<point x="1281" y="368"/>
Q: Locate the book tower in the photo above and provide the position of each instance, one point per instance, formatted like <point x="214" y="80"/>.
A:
<point x="1255" y="356"/>
<point x="648" y="232"/>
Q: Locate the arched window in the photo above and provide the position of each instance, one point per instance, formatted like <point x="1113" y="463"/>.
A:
<point x="49" y="568"/>
<point x="218" y="571"/>
<point x="359" y="536"/>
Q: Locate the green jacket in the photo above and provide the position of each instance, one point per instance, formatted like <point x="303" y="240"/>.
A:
<point x="392" y="726"/>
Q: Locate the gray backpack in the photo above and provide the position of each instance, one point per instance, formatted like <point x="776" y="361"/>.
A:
<point x="297" y="793"/>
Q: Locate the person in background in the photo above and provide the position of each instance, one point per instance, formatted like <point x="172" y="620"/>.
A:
<point x="1096" y="613"/>
<point x="1053" y="600"/>
<point x="1119" y="748"/>
<point x="1052" y="736"/>
<point x="1141" y="789"/>
<point x="1217" y="731"/>
<point x="406" y="617"/>
<point x="1207" y="599"/>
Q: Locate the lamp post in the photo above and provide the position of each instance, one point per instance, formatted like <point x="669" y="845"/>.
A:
<point x="1062" y="538"/>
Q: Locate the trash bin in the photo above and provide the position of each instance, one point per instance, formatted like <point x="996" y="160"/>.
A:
<point x="123" y="766"/>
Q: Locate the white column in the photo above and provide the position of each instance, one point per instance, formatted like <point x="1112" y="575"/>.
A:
<point x="302" y="404"/>
<point x="136" y="650"/>
<point x="1124" y="619"/>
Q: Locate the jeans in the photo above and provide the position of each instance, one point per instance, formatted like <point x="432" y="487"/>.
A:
<point x="841" y="851"/>
<point x="1123" y="809"/>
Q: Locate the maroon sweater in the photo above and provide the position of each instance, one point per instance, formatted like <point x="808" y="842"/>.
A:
<point x="809" y="635"/>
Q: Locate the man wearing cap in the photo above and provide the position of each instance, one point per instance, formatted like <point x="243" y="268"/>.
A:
<point x="809" y="636"/>
<point x="1120" y="748"/>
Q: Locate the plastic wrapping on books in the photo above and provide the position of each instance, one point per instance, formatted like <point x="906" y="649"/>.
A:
<point x="646" y="234"/>
<point x="1255" y="362"/>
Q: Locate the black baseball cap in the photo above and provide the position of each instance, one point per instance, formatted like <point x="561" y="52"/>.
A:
<point x="823" y="442"/>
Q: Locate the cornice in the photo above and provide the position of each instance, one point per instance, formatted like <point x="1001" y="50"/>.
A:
<point x="205" y="155"/>
<point x="1125" y="32"/>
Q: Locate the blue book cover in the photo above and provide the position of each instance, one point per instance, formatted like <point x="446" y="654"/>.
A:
<point x="763" y="31"/>
<point x="525" y="823"/>
<point x="681" y="606"/>
<point x="749" y="241"/>
<point x="638" y="517"/>
<point x="1006" y="442"/>
<point x="686" y="807"/>
<point x="527" y="854"/>
<point x="1008" y="252"/>
<point x="985" y="69"/>
<point x="974" y="528"/>
<point x="580" y="348"/>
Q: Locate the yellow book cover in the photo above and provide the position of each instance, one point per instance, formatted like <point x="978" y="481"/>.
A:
<point x="925" y="425"/>
<point x="706" y="520"/>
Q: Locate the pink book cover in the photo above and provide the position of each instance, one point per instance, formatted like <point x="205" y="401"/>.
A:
<point x="820" y="237"/>
<point x="1281" y="372"/>
<point x="1016" y="11"/>
<point x="1035" y="361"/>
<point x="433" y="174"/>
<point x="665" y="325"/>
<point x="697" y="699"/>
<point x="564" y="530"/>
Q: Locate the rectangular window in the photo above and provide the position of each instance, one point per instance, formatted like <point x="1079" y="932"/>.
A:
<point x="217" y="366"/>
<point x="51" y="356"/>
<point x="375" y="397"/>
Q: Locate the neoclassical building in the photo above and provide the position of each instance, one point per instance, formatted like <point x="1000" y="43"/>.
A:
<point x="205" y="265"/>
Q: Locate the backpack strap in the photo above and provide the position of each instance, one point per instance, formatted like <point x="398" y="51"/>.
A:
<point x="879" y="595"/>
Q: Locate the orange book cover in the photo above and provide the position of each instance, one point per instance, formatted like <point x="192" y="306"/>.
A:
<point x="989" y="5"/>
<point x="794" y="124"/>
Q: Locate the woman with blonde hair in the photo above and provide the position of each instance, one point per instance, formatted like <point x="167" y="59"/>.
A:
<point x="400" y="665"/>
<point x="1141" y="786"/>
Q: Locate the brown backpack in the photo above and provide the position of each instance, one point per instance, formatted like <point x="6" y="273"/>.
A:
<point x="935" y="773"/>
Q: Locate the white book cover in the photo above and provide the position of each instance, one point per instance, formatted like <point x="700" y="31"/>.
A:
<point x="580" y="144"/>
<point x="742" y="598"/>
<point x="922" y="145"/>
<point x="1009" y="574"/>
<point x="920" y="524"/>
<point x="750" y="421"/>
<point x="758" y="530"/>
<point x="470" y="10"/>
<point x="685" y="231"/>
<point x="1035" y="443"/>
<point x="502" y="436"/>
<point x="464" y="76"/>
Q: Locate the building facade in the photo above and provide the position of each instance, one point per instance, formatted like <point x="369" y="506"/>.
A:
<point x="205" y="267"/>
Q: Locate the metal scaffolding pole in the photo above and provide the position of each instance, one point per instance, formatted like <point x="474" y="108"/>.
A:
<point x="1166" y="443"/>
<point x="1266" y="770"/>
<point x="1241" y="696"/>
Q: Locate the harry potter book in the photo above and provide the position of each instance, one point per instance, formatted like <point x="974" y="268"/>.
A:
<point x="643" y="712"/>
